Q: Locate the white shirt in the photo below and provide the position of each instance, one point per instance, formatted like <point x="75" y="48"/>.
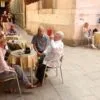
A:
<point x="53" y="53"/>
<point x="3" y="64"/>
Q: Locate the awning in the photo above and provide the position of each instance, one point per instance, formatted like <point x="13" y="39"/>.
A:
<point x="30" y="1"/>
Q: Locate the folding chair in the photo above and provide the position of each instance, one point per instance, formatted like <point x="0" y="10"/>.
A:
<point x="56" y="67"/>
<point x="10" y="77"/>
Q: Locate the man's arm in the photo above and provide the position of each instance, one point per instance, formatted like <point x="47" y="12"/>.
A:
<point x="1" y="19"/>
<point x="3" y="63"/>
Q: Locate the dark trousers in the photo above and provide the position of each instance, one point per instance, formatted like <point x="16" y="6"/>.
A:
<point x="40" y="72"/>
<point x="41" y="69"/>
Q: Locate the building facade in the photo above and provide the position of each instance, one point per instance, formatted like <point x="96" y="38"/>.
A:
<point x="65" y="15"/>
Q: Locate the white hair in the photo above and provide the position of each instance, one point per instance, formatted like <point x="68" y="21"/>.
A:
<point x="60" y="33"/>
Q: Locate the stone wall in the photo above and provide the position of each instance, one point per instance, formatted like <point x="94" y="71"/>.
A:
<point x="18" y="9"/>
<point x="60" y="18"/>
<point x="65" y="15"/>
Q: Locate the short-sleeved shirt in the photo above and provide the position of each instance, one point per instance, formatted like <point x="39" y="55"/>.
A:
<point x="40" y="42"/>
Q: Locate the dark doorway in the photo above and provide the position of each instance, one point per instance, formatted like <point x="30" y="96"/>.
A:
<point x="4" y="8"/>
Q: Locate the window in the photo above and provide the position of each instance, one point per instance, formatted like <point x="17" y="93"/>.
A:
<point x="47" y="4"/>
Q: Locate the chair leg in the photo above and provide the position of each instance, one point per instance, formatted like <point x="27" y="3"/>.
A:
<point x="31" y="75"/>
<point x="44" y="75"/>
<point x="18" y="85"/>
<point x="56" y="71"/>
<point x="88" y="43"/>
<point x="61" y="74"/>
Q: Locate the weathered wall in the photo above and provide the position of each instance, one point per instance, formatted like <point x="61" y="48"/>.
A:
<point x="86" y="11"/>
<point x="18" y="9"/>
<point x="61" y="18"/>
<point x="67" y="16"/>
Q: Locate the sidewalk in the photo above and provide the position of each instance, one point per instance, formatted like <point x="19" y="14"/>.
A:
<point x="81" y="72"/>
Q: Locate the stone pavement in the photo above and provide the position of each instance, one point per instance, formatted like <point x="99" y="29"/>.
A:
<point x="81" y="72"/>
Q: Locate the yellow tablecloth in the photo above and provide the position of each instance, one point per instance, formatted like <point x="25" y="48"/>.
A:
<point x="25" y="60"/>
<point x="97" y="39"/>
<point x="13" y="37"/>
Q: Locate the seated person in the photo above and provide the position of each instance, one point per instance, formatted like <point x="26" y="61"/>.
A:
<point x="51" y="56"/>
<point x="11" y="27"/>
<point x="40" y="41"/>
<point x="86" y="31"/>
<point x="11" y="30"/>
<point x="88" y="35"/>
<point x="6" y="70"/>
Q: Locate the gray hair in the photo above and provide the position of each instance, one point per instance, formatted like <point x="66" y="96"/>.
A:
<point x="60" y="33"/>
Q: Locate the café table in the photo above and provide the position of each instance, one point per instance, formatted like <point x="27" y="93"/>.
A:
<point x="26" y="61"/>
<point x="21" y="43"/>
<point x="13" y="37"/>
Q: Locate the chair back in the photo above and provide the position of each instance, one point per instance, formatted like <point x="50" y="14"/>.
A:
<point x="5" y="77"/>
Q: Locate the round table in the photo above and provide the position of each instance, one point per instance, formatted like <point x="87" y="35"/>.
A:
<point x="26" y="61"/>
<point x="13" y="37"/>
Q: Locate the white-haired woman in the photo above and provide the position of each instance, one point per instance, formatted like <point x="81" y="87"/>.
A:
<point x="51" y="56"/>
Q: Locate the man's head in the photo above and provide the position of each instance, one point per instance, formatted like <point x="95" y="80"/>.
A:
<point x="5" y="12"/>
<point x="41" y="31"/>
<point x="86" y="24"/>
<point x="58" y="35"/>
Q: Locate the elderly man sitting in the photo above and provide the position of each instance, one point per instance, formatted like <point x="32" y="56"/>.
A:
<point x="6" y="70"/>
<point x="51" y="56"/>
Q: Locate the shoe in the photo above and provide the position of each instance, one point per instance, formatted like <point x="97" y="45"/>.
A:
<point x="93" y="46"/>
<point x="30" y="86"/>
<point x="38" y="84"/>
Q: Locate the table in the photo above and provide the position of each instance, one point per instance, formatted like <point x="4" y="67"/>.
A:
<point x="20" y="43"/>
<point x="27" y="61"/>
<point x="13" y="37"/>
<point x="97" y="39"/>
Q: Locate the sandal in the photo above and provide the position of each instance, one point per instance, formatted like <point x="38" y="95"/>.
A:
<point x="30" y="86"/>
<point x="38" y="84"/>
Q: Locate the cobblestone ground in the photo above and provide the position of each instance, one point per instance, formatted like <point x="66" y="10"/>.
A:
<point x="81" y="73"/>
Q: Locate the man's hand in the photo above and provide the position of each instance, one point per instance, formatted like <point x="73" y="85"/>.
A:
<point x="39" y="54"/>
<point x="11" y="69"/>
<point x="52" y="37"/>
